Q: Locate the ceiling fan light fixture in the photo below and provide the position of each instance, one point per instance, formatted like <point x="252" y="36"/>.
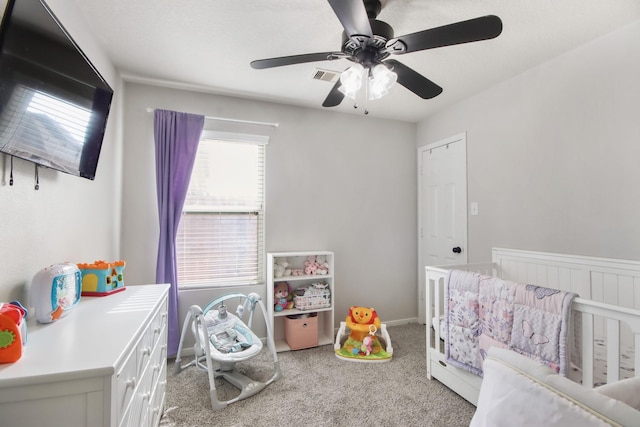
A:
<point x="380" y="81"/>
<point x="351" y="80"/>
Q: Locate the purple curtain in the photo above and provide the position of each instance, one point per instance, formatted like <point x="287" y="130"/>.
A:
<point x="176" y="136"/>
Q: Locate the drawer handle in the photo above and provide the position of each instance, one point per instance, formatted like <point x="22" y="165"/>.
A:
<point x="146" y="351"/>
<point x="146" y="396"/>
<point x="131" y="383"/>
<point x="156" y="368"/>
<point x="442" y="363"/>
<point x="156" y="330"/>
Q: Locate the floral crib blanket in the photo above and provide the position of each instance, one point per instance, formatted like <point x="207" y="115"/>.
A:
<point x="483" y="311"/>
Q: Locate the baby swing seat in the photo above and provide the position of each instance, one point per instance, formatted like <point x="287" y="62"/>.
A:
<point x="222" y="339"/>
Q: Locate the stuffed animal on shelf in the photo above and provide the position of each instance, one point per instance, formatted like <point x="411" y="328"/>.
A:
<point x="316" y="265"/>
<point x="282" y="296"/>
<point x="322" y="265"/>
<point x="310" y="265"/>
<point x="281" y="268"/>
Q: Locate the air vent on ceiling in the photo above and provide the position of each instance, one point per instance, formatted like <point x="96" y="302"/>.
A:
<point x="325" y="75"/>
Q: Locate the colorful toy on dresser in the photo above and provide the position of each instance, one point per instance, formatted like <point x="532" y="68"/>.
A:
<point x="13" y="331"/>
<point x="102" y="278"/>
<point x="55" y="291"/>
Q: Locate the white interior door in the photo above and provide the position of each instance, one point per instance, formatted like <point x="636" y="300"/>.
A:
<point x="442" y="207"/>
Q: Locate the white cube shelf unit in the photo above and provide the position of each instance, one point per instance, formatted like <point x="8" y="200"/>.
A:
<point x="296" y="261"/>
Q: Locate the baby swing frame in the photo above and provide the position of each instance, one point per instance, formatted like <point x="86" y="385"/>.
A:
<point x="222" y="365"/>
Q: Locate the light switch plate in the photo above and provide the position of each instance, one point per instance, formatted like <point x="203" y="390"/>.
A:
<point x="474" y="208"/>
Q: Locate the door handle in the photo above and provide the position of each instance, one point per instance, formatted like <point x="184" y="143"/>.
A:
<point x="457" y="250"/>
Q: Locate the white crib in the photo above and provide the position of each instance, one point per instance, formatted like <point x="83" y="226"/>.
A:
<point x="609" y="308"/>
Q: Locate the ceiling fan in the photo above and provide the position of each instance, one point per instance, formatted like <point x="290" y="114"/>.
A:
<point x="368" y="43"/>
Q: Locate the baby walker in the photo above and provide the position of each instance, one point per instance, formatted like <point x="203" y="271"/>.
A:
<point x="222" y="339"/>
<point x="363" y="344"/>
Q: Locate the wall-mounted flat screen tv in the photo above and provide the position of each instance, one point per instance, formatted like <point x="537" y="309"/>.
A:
<point x="54" y="104"/>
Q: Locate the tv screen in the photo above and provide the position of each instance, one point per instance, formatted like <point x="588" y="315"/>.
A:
<point x="54" y="104"/>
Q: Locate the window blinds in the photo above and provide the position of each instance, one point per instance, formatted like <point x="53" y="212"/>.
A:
<point x="220" y="239"/>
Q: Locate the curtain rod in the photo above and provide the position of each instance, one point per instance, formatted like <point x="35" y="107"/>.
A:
<point x="250" y="122"/>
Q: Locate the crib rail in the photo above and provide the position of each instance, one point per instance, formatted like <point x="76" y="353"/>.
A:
<point x="613" y="316"/>
<point x="435" y="280"/>
<point x="590" y="312"/>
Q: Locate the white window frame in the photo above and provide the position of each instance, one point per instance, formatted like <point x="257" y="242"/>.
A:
<point x="241" y="138"/>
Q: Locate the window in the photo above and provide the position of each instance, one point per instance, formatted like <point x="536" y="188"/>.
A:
<point x="220" y="238"/>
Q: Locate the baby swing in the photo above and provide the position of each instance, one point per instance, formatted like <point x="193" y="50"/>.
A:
<point x="222" y="339"/>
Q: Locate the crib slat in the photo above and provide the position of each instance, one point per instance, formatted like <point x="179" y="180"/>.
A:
<point x="439" y="298"/>
<point x="587" y="350"/>
<point x="636" y="371"/>
<point x="613" y="350"/>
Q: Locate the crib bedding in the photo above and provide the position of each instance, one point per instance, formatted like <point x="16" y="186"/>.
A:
<point x="575" y="372"/>
<point x="485" y="311"/>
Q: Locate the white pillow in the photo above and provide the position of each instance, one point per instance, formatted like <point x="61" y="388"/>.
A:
<point x="519" y="391"/>
<point x="627" y="391"/>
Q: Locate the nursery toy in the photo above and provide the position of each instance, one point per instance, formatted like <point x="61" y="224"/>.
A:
<point x="281" y="268"/>
<point x="363" y="344"/>
<point x="316" y="265"/>
<point x="234" y="342"/>
<point x="322" y="265"/>
<point x="55" y="291"/>
<point x="282" y="296"/>
<point x="102" y="278"/>
<point x="367" y="342"/>
<point x="310" y="266"/>
<point x="13" y="331"/>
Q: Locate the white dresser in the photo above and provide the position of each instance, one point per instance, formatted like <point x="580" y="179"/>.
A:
<point x="104" y="364"/>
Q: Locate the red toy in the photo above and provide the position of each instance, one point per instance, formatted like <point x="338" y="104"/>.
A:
<point x="12" y="332"/>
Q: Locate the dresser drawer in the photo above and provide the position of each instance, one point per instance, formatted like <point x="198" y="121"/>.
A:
<point x="153" y="335"/>
<point x="158" y="324"/>
<point x="126" y="380"/>
<point x="158" y="361"/>
<point x="139" y="403"/>
<point x="157" y="398"/>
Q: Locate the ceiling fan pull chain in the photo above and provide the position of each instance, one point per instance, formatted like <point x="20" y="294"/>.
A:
<point x="366" y="94"/>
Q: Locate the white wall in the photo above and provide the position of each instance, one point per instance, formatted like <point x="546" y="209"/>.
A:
<point x="336" y="182"/>
<point x="69" y="218"/>
<point x="553" y="154"/>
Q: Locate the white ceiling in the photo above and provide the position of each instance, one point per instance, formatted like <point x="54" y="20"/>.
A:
<point x="208" y="44"/>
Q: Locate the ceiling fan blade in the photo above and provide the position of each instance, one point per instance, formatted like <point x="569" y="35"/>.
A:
<point x="335" y="97"/>
<point x="414" y="81"/>
<point x="473" y="30"/>
<point x="260" y="64"/>
<point x="352" y="16"/>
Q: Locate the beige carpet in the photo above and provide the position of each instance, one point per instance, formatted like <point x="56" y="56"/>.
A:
<point x="318" y="389"/>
